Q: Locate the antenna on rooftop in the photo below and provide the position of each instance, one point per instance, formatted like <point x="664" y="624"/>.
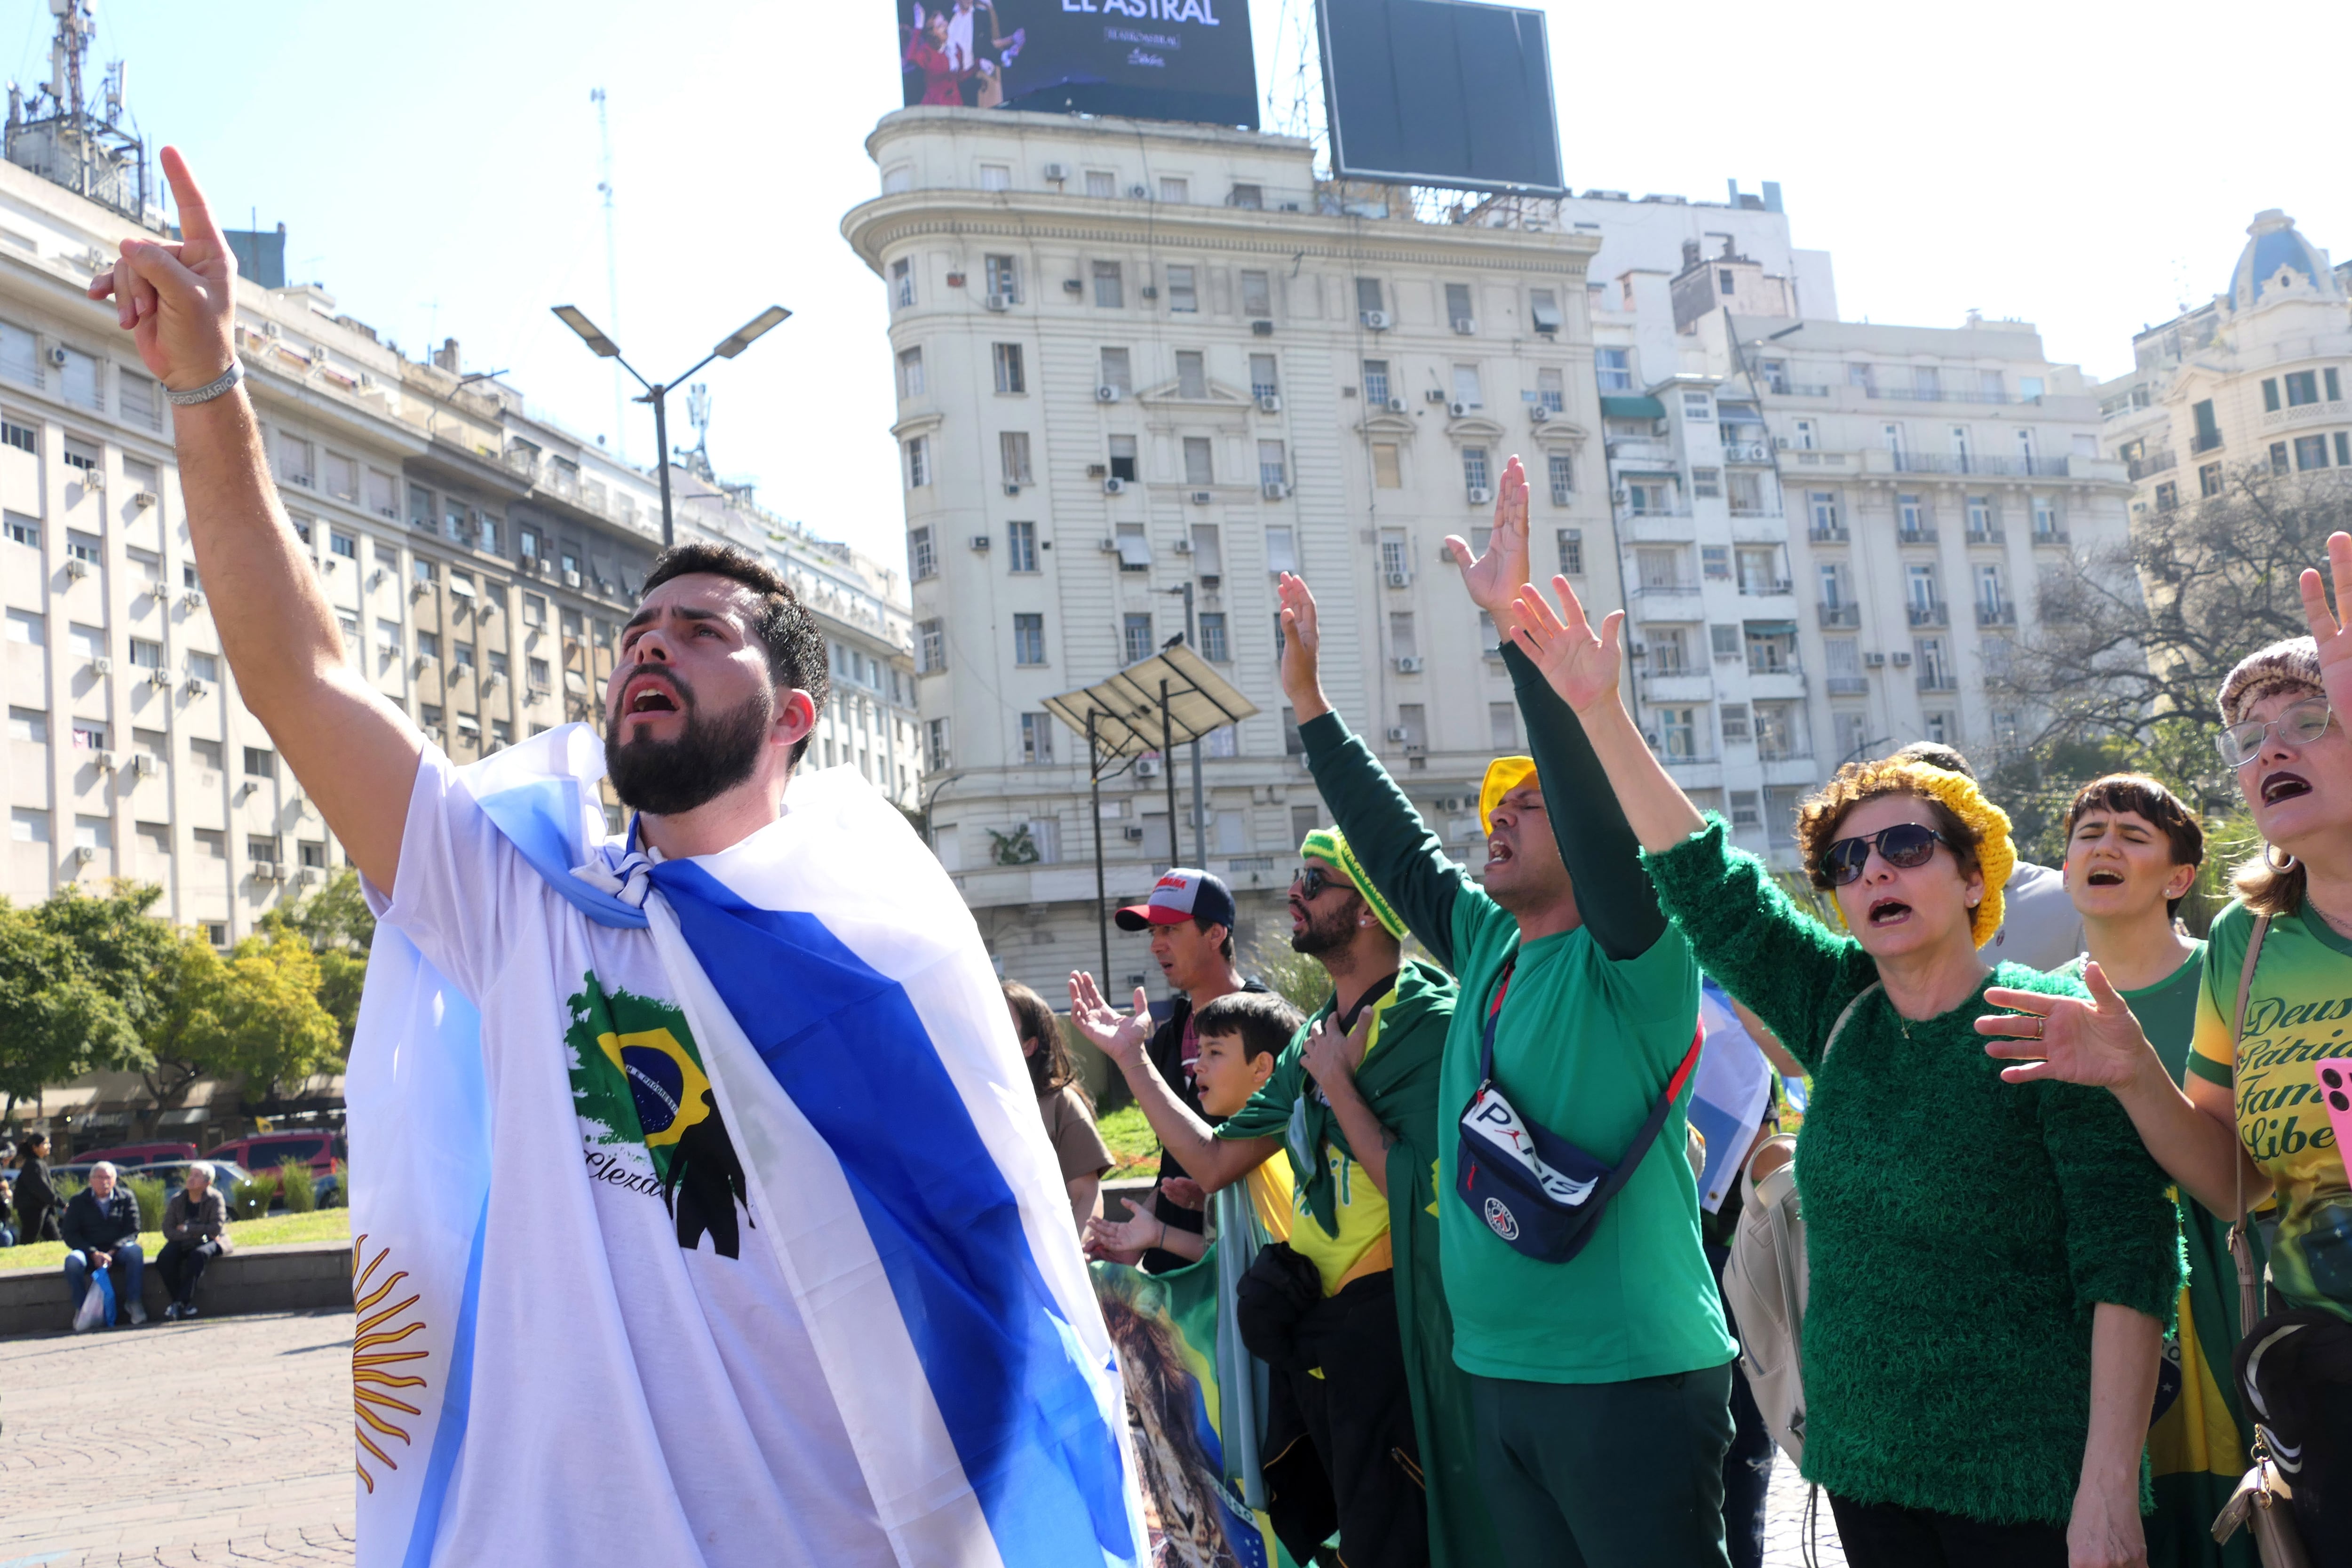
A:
<point x="58" y="132"/>
<point x="697" y="414"/>
<point x="612" y="273"/>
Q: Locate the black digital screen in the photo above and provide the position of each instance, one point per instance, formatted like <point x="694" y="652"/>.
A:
<point x="1149" y="59"/>
<point x="1440" y="92"/>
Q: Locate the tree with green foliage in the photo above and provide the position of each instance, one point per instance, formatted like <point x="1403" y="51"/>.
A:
<point x="273" y="1029"/>
<point x="338" y="924"/>
<point x="58" y="1020"/>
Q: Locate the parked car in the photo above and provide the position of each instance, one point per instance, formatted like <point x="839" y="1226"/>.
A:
<point x="265" y="1150"/>
<point x="136" y="1154"/>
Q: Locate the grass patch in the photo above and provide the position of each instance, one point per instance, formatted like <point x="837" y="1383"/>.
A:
<point x="323" y="1225"/>
<point x="1131" y="1143"/>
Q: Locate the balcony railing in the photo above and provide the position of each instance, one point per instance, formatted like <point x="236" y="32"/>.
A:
<point x="1931" y="615"/>
<point x="1774" y="666"/>
<point x="1756" y="589"/>
<point x="2153" y="463"/>
<point x="1941" y="395"/>
<point x="1932" y="681"/>
<point x="2057" y="536"/>
<point x="1835" y="533"/>
<point x="1923" y="535"/>
<point x="2203" y="443"/>
<point x="1769" y="752"/>
<point x="1996" y="615"/>
<point x="1970" y="463"/>
<point x="1687" y="760"/>
<point x="1847" y="686"/>
<point x="1987" y="536"/>
<point x="1840" y="616"/>
<point x="1796" y="389"/>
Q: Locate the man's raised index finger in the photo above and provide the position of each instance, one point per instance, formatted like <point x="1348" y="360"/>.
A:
<point x="195" y="216"/>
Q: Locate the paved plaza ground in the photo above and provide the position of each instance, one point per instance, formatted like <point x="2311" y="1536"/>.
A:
<point x="228" y="1440"/>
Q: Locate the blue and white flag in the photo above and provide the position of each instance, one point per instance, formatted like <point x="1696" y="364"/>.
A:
<point x="858" y="1049"/>
<point x="1732" y="1092"/>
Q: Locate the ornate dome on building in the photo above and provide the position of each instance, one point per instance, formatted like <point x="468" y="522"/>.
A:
<point x="2278" y="261"/>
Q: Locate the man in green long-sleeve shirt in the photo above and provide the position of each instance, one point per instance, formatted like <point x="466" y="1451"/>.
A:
<point x="1600" y="1386"/>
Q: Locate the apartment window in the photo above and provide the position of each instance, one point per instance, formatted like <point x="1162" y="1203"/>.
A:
<point x="2335" y="388"/>
<point x="1747" y="810"/>
<point x="995" y="177"/>
<point x="1715" y="562"/>
<point x="1368" y="294"/>
<point x="911" y="373"/>
<point x="203" y="667"/>
<point x="1376" y="383"/>
<point x="930" y="647"/>
<point x="2310" y="451"/>
<point x="1473" y="467"/>
<point x="1134" y="548"/>
<point x="1677" y="731"/>
<point x="2301" y="387"/>
<point x="1403" y="641"/>
<point x="1262" y="376"/>
<point x="1281" y="556"/>
<point x="428" y="717"/>
<point x="501" y="734"/>
<point x="498" y="662"/>
<point x="461" y="655"/>
<point x="902" y="283"/>
<point x="1412" y="718"/>
<point x="1271" y="467"/>
<point x="1571" y="552"/>
<point x="1003" y="278"/>
<point x="1503" y="726"/>
<point x="21" y="436"/>
<point x="1921" y="583"/>
<point x="1183" y="295"/>
<point x="2343" y="453"/>
<point x="1257" y="297"/>
<point x="1212" y="638"/>
<point x="2208" y="477"/>
<point x="1013" y="452"/>
<point x="88" y="736"/>
<point x="343" y="544"/>
<point x="294" y="456"/>
<point x="1550" y="392"/>
<point x="1543" y="310"/>
<point x="1910" y="516"/>
<point x="260" y="763"/>
<point x="1117" y="374"/>
<point x="1388" y="472"/>
<point x="1396" y="557"/>
<point x="1457" y="306"/>
<point x="29" y="724"/>
<point x="23" y="530"/>
<point x="1613" y="369"/>
<point x="1110" y="292"/>
<point x="1009" y="378"/>
<point x="923" y="556"/>
<point x="1192" y="375"/>
<point x="935" y="744"/>
<point x="1808" y="435"/>
<point x="2208" y="429"/>
<point x="1136" y="638"/>
<point x="82" y="546"/>
<point x="1466" y="386"/>
<point x="1038" y="737"/>
<point x="1028" y="639"/>
<point x="1562" y="475"/>
<point x="1021" y="542"/>
<point x="1197" y="466"/>
<point x="1208" y="550"/>
<point x="1175" y="189"/>
<point x="1659" y="568"/>
<point x="1734" y="721"/>
<point x="1669" y="651"/>
<point x="1101" y="182"/>
<point x="535" y="671"/>
<point x="1980" y="514"/>
<point x="429" y="645"/>
<point x="2278" y="454"/>
<point x="1990" y="597"/>
<point x="1834" y="589"/>
<point x="918" y="462"/>
<point x="534" y="610"/>
<point x="1122" y="457"/>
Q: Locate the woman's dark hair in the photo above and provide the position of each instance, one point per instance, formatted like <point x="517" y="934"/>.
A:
<point x="1050" y="1065"/>
<point x="1265" y="1023"/>
<point x="796" y="658"/>
<point x="31" y="1146"/>
<point x="2148" y="799"/>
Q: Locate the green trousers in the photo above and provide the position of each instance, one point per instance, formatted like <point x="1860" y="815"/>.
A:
<point x="1606" y="1475"/>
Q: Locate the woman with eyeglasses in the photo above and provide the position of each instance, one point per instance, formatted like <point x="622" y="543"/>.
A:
<point x="1990" y="1268"/>
<point x="2280" y="1134"/>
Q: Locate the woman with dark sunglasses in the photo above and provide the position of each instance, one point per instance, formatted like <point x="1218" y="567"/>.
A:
<point x="1990" y="1272"/>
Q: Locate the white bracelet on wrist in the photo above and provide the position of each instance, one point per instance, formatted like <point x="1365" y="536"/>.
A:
<point x="211" y="389"/>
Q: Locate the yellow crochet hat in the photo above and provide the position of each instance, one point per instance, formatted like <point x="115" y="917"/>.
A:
<point x="1996" y="853"/>
<point x="1504" y="775"/>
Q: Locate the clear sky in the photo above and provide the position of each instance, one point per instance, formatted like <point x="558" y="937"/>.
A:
<point x="2089" y="168"/>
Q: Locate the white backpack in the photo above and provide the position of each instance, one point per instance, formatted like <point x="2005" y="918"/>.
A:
<point x="1764" y="1283"/>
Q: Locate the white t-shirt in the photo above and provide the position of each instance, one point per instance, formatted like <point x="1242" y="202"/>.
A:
<point x="660" y="1401"/>
<point x="2040" y="926"/>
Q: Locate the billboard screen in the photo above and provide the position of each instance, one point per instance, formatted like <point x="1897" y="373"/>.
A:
<point x="1150" y="60"/>
<point x="1437" y="92"/>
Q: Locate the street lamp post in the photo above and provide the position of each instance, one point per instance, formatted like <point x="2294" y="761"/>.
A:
<point x="657" y="392"/>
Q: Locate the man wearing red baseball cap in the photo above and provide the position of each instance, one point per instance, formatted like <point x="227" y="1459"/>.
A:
<point x="1189" y="915"/>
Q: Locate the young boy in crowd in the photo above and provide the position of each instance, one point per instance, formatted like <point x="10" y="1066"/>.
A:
<point x="1241" y="1034"/>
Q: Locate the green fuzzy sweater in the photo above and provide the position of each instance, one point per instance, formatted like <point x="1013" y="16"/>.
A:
<point x="1959" y="1231"/>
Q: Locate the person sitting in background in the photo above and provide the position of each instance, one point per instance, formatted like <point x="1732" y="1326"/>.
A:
<point x="1062" y="1100"/>
<point x="101" y="1233"/>
<point x="37" y="1201"/>
<point x="196" y="1231"/>
<point x="2040" y="927"/>
<point x="7" y="1206"/>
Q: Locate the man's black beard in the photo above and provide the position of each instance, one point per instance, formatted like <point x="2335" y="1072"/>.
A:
<point x="709" y="757"/>
<point x="1328" y="934"/>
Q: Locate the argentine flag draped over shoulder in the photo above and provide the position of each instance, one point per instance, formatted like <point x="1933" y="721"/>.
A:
<point x="892" y="1159"/>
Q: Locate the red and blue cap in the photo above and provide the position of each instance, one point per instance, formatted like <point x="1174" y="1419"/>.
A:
<point x="1182" y="894"/>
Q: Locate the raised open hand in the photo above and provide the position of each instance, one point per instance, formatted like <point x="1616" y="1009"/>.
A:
<point x="1302" y="647"/>
<point x="1580" y="666"/>
<point x="2096" y="1042"/>
<point x="1121" y="1039"/>
<point x="1496" y="578"/>
<point x="2333" y="636"/>
<point x="178" y="301"/>
<point x="1124" y="1240"/>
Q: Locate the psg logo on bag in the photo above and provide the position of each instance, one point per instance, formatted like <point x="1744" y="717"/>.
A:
<point x="1500" y="1221"/>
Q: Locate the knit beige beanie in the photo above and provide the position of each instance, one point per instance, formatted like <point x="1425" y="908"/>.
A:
<point x="2291" y="665"/>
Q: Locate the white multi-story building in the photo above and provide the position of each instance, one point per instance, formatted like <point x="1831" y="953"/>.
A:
<point x="1138" y="358"/>
<point x="2256" y="377"/>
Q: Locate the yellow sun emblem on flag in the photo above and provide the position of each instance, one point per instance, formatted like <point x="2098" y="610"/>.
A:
<point x="373" y="1406"/>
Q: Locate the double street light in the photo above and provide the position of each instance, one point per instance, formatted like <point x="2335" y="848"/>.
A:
<point x="658" y="392"/>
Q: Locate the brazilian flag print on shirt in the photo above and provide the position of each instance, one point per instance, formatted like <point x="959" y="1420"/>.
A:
<point x="647" y="1114"/>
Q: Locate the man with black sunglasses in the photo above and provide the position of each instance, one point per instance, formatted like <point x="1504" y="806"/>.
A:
<point x="1370" y="1377"/>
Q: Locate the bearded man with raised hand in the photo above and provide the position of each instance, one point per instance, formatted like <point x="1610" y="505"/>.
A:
<point x="645" y="1272"/>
